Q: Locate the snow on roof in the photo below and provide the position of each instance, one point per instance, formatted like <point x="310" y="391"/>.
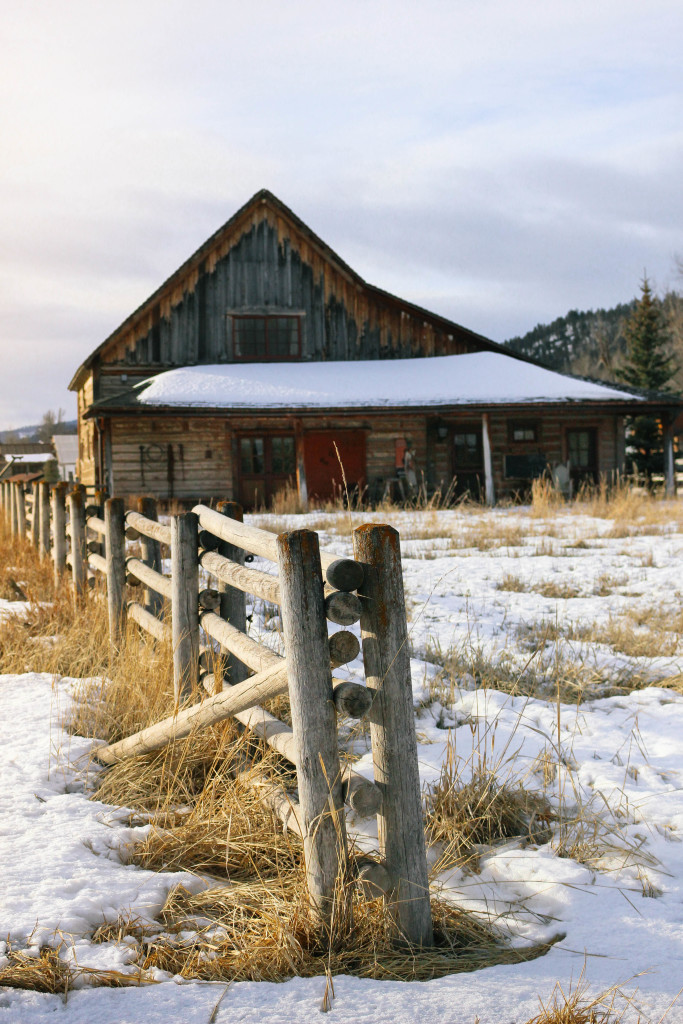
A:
<point x="66" y="446"/>
<point x="476" y="378"/>
<point x="42" y="456"/>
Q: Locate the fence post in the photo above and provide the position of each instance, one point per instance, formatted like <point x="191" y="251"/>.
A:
<point x="233" y="601"/>
<point x="314" y="722"/>
<point x="185" y="604"/>
<point x="44" y="496"/>
<point x="151" y="555"/>
<point x="79" y="564"/>
<point x="115" y="553"/>
<point x="21" y="511"/>
<point x="35" y="521"/>
<point x="3" y="495"/>
<point x="392" y="728"/>
<point x="59" y="529"/>
<point x="15" y="510"/>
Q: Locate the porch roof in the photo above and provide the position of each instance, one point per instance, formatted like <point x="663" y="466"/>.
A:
<point x="480" y="378"/>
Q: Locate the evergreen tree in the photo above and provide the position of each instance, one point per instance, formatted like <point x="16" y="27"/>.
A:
<point x="650" y="367"/>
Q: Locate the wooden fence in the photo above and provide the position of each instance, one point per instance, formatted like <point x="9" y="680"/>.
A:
<point x="310" y="588"/>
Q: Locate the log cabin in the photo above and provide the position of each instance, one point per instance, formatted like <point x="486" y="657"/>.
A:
<point x="265" y="361"/>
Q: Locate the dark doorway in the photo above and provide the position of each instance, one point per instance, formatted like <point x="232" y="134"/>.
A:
<point x="468" y="460"/>
<point x="267" y="464"/>
<point x="582" y="452"/>
<point x="324" y="478"/>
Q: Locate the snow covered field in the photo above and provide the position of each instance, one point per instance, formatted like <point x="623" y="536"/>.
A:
<point x="586" y="602"/>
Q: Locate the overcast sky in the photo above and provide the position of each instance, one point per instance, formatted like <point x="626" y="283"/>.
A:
<point x="498" y="162"/>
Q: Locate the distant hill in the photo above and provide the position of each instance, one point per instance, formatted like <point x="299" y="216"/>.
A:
<point x="31" y="432"/>
<point x="591" y="343"/>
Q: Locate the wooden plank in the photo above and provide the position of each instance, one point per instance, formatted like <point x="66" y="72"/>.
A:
<point x="159" y="630"/>
<point x="392" y="725"/>
<point x="313" y="722"/>
<point x="260" y="687"/>
<point x="147" y="526"/>
<point x="343" y="571"/>
<point x="150" y="577"/>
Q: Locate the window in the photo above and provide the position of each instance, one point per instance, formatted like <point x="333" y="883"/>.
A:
<point x="258" y="338"/>
<point x="523" y="432"/>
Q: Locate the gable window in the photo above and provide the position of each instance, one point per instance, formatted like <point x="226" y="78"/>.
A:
<point x="523" y="431"/>
<point x="257" y="338"/>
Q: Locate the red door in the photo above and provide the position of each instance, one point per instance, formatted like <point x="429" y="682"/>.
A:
<point x="323" y="463"/>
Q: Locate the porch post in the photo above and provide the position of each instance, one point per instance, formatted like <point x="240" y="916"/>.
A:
<point x="488" y="469"/>
<point x="669" y="466"/>
<point x="302" y="486"/>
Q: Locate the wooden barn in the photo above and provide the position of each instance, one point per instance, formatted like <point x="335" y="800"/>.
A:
<point x="265" y="360"/>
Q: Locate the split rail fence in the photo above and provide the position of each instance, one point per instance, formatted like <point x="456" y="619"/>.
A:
<point x="310" y="588"/>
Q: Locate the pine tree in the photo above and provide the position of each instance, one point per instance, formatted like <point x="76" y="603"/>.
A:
<point x="650" y="367"/>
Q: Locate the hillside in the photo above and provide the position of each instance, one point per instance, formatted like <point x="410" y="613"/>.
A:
<point x="591" y="343"/>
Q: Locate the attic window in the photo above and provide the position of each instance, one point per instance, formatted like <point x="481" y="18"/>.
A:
<point x="257" y="338"/>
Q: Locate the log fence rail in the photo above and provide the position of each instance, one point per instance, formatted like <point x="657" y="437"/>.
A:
<point x="312" y="587"/>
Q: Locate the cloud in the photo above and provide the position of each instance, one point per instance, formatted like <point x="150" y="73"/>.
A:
<point x="499" y="163"/>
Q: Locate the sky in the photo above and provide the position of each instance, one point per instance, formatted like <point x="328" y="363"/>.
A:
<point x="499" y="163"/>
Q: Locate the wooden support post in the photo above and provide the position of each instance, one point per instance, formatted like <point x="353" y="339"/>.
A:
<point x="3" y="498"/>
<point x="44" y="499"/>
<point x="392" y="728"/>
<point x="21" y="511"/>
<point x="79" y="564"/>
<point x="489" y="488"/>
<point x="669" y="460"/>
<point x="15" y="513"/>
<point x="185" y="604"/>
<point x="151" y="555"/>
<point x="233" y="601"/>
<point x="59" y="529"/>
<point x="35" y="521"/>
<point x="313" y="722"/>
<point x="115" y="552"/>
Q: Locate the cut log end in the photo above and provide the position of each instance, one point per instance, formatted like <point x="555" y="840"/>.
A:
<point x="362" y="795"/>
<point x="345" y="574"/>
<point x="344" y="647"/>
<point x="343" y="608"/>
<point x="374" y="879"/>
<point x="352" y="699"/>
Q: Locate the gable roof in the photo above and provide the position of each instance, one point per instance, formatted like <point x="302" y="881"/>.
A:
<point x="265" y="199"/>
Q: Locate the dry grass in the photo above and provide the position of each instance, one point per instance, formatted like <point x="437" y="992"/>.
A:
<point x="574" y="1006"/>
<point x="481" y="812"/>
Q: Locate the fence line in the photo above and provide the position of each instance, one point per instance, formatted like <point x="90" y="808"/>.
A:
<point x="311" y="587"/>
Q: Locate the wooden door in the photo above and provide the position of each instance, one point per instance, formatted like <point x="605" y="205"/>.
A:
<point x="267" y="464"/>
<point x="323" y="463"/>
<point x="582" y="452"/>
<point x="468" y="460"/>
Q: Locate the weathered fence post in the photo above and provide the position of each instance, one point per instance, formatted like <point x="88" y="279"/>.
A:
<point x="3" y="497"/>
<point x="59" y="529"/>
<point x="79" y="563"/>
<point x="151" y="555"/>
<point x="185" y="604"/>
<point x="392" y="728"/>
<point x="35" y="521"/>
<point x="21" y="511"/>
<point x="44" y="498"/>
<point x="115" y="552"/>
<point x="15" y="509"/>
<point x="233" y="601"/>
<point x="313" y="721"/>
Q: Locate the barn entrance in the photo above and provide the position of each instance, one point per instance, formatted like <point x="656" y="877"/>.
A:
<point x="468" y="460"/>
<point x="323" y="470"/>
<point x="267" y="464"/>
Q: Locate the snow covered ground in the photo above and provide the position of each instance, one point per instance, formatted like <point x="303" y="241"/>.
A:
<point x="480" y="587"/>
